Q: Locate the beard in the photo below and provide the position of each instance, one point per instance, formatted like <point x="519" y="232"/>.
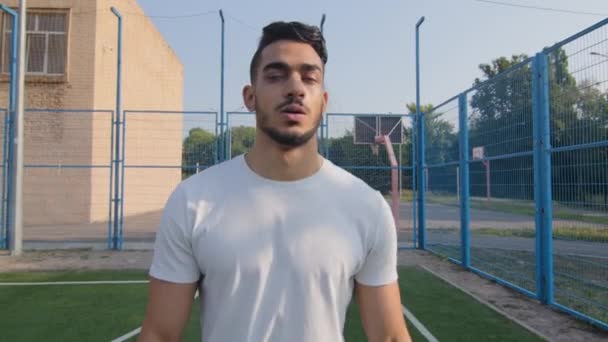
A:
<point x="285" y="138"/>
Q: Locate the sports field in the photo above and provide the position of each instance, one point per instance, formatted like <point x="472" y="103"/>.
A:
<point x="48" y="306"/>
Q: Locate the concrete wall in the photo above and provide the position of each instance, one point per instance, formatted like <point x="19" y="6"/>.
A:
<point x="58" y="138"/>
<point x="152" y="79"/>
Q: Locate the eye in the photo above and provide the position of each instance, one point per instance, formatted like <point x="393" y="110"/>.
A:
<point x="309" y="79"/>
<point x="274" y="77"/>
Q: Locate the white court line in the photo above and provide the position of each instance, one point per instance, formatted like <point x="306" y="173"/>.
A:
<point x="128" y="335"/>
<point x="421" y="328"/>
<point x="136" y="331"/>
<point x="102" y="282"/>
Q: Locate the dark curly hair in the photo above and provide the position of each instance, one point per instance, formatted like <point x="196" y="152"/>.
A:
<point x="294" y="31"/>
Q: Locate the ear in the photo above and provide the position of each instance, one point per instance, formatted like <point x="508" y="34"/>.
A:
<point x="325" y="101"/>
<point x="249" y="97"/>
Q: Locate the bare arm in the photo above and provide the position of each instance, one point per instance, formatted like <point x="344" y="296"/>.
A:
<point x="381" y="313"/>
<point x="168" y="311"/>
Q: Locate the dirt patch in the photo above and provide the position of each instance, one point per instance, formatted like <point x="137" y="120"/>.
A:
<point x="76" y="260"/>
<point x="548" y="323"/>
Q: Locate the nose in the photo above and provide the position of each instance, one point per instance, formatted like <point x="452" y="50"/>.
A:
<point x="294" y="87"/>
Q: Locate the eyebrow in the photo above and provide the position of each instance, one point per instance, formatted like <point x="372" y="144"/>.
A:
<point x="305" y="67"/>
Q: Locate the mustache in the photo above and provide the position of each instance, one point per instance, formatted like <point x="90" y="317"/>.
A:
<point x="291" y="100"/>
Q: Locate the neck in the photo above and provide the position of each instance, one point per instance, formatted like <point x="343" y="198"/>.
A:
<point x="273" y="161"/>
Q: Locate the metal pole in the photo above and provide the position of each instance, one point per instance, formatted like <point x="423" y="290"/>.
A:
<point x="323" y="125"/>
<point x="322" y="22"/>
<point x="7" y="147"/>
<point x="400" y="172"/>
<point x="458" y="183"/>
<point x="414" y="165"/>
<point x="542" y="180"/>
<point x="547" y="195"/>
<point x="488" y="193"/>
<point x="17" y="176"/>
<point x="326" y="136"/>
<point x="463" y="191"/>
<point x="222" y="114"/>
<point x="421" y="170"/>
<point x="115" y="242"/>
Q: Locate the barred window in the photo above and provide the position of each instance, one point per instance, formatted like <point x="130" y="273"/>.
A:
<point x="46" y="43"/>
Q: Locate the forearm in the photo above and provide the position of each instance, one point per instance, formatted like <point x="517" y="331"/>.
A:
<point x="156" y="335"/>
<point x="396" y="337"/>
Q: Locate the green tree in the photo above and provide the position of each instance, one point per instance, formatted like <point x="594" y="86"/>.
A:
<point x="579" y="115"/>
<point x="501" y="115"/>
<point x="241" y="139"/>
<point x="198" y="151"/>
<point x="501" y="119"/>
<point x="440" y="136"/>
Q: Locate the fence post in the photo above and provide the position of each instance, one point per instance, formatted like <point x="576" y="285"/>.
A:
<point x="421" y="183"/>
<point x="464" y="194"/>
<point x="223" y="128"/>
<point x="8" y="129"/>
<point x="326" y="136"/>
<point x="414" y="181"/>
<point x="117" y="161"/>
<point x="542" y="179"/>
<point x="217" y="140"/>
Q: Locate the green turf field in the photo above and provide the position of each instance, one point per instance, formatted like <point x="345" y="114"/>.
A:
<point x="105" y="312"/>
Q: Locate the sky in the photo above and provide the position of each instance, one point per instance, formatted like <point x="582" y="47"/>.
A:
<point x="371" y="44"/>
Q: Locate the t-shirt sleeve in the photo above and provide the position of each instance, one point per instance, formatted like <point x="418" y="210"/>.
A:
<point x="173" y="259"/>
<point x="380" y="265"/>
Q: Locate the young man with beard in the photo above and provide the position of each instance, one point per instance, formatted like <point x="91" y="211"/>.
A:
<point x="278" y="240"/>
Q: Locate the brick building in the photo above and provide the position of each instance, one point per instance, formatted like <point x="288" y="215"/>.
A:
<point x="71" y="65"/>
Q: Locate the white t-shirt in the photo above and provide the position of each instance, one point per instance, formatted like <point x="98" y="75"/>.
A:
<point x="278" y="260"/>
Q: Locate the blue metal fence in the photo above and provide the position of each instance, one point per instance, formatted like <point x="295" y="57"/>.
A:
<point x="576" y="135"/>
<point x="508" y="178"/>
<point x="67" y="176"/>
<point x="533" y="148"/>
<point x="441" y="174"/>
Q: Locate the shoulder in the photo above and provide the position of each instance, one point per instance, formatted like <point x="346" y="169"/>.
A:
<point x="352" y="186"/>
<point x="210" y="179"/>
<point x="193" y="195"/>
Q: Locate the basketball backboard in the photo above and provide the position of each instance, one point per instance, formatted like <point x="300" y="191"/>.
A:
<point x="368" y="127"/>
<point x="478" y="153"/>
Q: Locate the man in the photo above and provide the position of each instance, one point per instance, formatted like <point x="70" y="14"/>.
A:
<point x="277" y="240"/>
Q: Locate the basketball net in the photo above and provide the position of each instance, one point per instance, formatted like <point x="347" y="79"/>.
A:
<point x="375" y="149"/>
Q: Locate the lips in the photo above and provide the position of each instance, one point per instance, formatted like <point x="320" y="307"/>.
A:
<point x="293" y="113"/>
<point x="293" y="109"/>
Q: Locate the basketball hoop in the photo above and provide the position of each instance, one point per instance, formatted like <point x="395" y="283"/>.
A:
<point x="375" y="149"/>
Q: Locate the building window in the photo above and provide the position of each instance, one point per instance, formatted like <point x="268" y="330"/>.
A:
<point x="46" y="43"/>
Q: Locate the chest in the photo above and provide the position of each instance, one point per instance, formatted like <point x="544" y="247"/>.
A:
<point x="295" y="237"/>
